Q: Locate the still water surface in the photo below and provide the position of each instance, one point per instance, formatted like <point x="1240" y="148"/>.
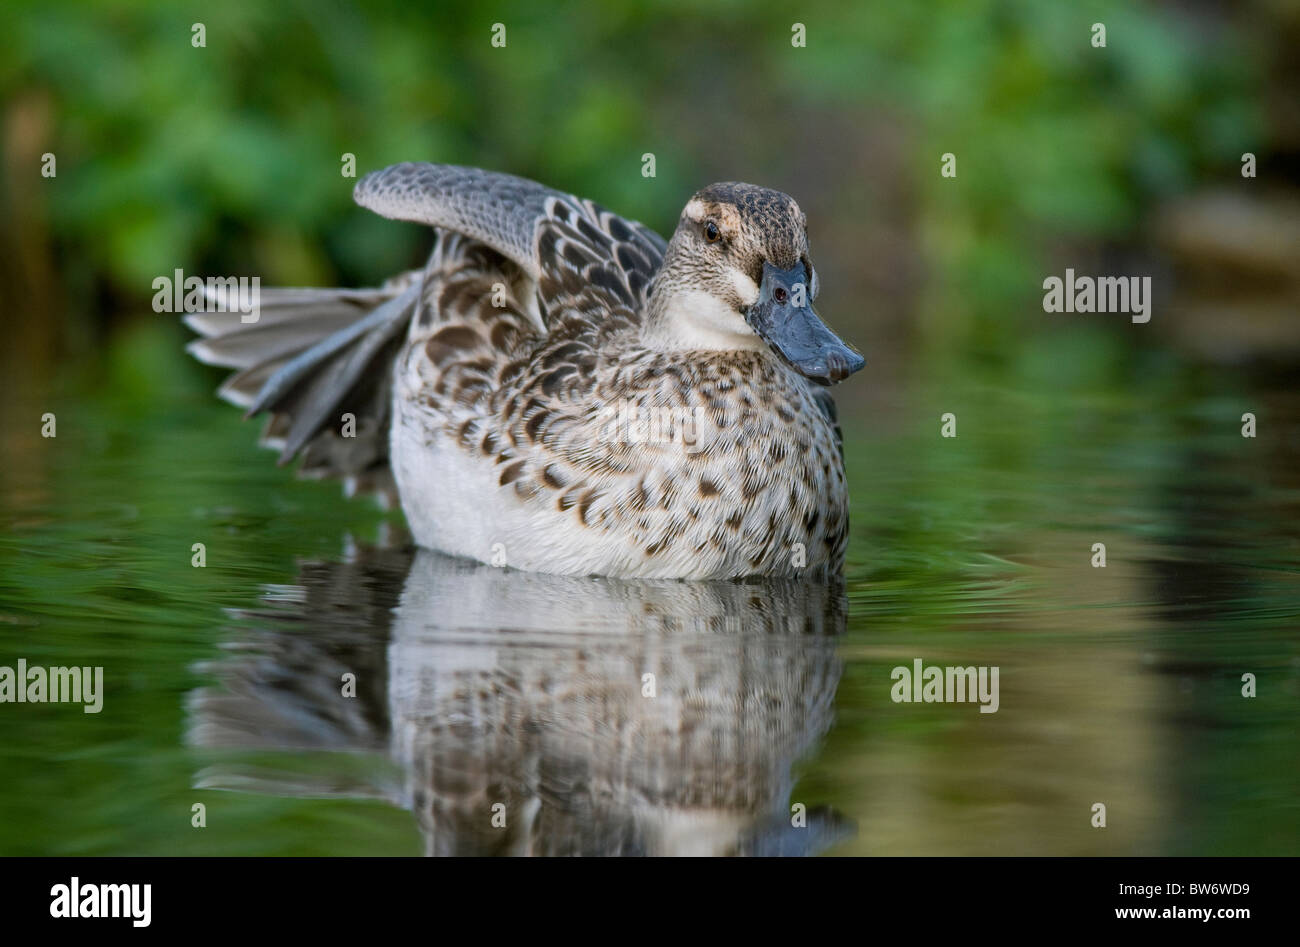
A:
<point x="477" y="686"/>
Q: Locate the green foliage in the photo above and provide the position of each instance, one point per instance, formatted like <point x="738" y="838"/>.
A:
<point x="228" y="157"/>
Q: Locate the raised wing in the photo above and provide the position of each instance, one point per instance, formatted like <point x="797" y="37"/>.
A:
<point x="570" y="247"/>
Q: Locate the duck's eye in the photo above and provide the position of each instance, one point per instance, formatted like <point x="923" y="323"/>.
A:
<point x="712" y="233"/>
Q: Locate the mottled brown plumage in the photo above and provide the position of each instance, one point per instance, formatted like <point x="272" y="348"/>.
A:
<point x="574" y="395"/>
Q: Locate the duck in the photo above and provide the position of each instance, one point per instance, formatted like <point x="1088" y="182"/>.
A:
<point x="561" y="390"/>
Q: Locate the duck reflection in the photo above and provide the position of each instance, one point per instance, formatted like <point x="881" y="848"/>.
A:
<point x="537" y="715"/>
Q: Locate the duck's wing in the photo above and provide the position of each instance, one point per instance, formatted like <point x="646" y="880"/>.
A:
<point x="581" y="257"/>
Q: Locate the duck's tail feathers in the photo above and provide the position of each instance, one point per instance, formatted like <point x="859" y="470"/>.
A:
<point x="319" y="361"/>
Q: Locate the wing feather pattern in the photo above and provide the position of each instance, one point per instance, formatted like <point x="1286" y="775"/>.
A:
<point x="570" y="247"/>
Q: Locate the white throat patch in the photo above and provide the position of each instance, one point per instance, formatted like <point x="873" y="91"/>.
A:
<point x="698" y="320"/>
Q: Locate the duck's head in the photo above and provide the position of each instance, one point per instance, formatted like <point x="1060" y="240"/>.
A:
<point x="737" y="275"/>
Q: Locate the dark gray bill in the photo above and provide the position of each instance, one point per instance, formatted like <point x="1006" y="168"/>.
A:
<point x="796" y="332"/>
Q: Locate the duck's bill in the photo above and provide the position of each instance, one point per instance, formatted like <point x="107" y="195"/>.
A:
<point x="784" y="317"/>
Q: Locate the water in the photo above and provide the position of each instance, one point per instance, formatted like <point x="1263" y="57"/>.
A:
<point x="476" y="686"/>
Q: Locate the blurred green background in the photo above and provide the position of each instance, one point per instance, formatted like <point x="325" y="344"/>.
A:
<point x="227" y="159"/>
<point x="1123" y="160"/>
